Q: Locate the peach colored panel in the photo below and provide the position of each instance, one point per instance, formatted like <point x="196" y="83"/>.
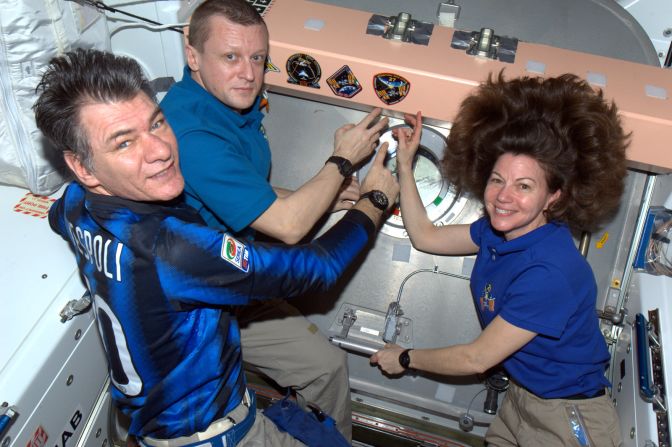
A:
<point x="441" y="76"/>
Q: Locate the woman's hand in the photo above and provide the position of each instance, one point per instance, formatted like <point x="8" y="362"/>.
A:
<point x="409" y="140"/>
<point x="387" y="359"/>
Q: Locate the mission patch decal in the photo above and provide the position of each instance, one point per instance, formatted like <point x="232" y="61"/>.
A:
<point x="303" y="70"/>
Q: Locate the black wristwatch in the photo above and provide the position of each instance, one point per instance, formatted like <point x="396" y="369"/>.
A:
<point x="344" y="165"/>
<point x="405" y="359"/>
<point x="378" y="198"/>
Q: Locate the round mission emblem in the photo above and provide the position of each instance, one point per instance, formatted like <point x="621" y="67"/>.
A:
<point x="391" y="88"/>
<point x="303" y="70"/>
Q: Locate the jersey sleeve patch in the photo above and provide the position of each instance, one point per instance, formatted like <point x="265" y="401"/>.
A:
<point x="236" y="253"/>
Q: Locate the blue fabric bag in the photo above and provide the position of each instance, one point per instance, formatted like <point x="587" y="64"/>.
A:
<point x="314" y="428"/>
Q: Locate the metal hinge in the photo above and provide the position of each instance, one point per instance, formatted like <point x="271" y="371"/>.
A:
<point x="486" y="44"/>
<point x="402" y="28"/>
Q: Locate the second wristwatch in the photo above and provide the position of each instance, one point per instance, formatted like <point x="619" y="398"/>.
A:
<point x="378" y="198"/>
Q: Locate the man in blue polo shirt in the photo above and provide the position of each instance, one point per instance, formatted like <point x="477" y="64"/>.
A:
<point x="226" y="162"/>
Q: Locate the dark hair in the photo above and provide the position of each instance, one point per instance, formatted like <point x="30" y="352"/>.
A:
<point x="78" y="78"/>
<point x="565" y="125"/>
<point x="236" y="11"/>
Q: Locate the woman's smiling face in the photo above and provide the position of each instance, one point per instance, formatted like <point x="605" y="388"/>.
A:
<point x="516" y="195"/>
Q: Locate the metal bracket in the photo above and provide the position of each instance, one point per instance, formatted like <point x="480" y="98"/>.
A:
<point x="392" y="322"/>
<point x="612" y="316"/>
<point x="75" y="307"/>
<point x="363" y="330"/>
<point x="349" y="317"/>
<point x="401" y="28"/>
<point x="341" y="340"/>
<point x="448" y="13"/>
<point x="486" y="44"/>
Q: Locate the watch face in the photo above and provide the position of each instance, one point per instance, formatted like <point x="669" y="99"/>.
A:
<point x="345" y="168"/>
<point x="344" y="165"/>
<point x="380" y="197"/>
<point x="405" y="359"/>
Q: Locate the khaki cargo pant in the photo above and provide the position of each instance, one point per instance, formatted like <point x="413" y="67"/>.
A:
<point x="529" y="421"/>
<point x="289" y="349"/>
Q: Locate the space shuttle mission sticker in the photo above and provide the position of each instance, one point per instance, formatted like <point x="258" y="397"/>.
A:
<point x="391" y="88"/>
<point x="344" y="83"/>
<point x="34" y="205"/>
<point x="303" y="70"/>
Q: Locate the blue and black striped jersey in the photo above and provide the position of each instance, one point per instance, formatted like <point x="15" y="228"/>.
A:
<point x="163" y="284"/>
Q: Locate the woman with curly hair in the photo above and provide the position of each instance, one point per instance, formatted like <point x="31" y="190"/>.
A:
<point x="546" y="156"/>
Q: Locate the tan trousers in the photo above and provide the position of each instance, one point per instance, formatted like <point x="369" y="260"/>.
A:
<point x="289" y="349"/>
<point x="264" y="433"/>
<point x="529" y="421"/>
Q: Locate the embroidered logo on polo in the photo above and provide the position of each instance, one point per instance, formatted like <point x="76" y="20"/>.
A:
<point x="344" y="83"/>
<point x="264" y="104"/>
<point x="235" y="253"/>
<point x="303" y="70"/>
<point x="391" y="88"/>
<point x="270" y="66"/>
<point x="487" y="301"/>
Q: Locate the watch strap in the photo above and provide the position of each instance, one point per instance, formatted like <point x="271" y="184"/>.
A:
<point x="344" y="165"/>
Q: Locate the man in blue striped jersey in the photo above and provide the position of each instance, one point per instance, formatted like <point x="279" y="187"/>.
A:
<point x="164" y="284"/>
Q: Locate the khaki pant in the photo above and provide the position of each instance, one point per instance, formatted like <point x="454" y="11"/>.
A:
<point x="289" y="349"/>
<point x="264" y="433"/>
<point x="527" y="420"/>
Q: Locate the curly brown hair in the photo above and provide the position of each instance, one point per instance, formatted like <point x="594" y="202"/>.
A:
<point x="566" y="126"/>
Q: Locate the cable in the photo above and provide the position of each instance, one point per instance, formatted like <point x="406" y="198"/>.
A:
<point x="102" y="6"/>
<point x="658" y="251"/>
<point x="466" y="421"/>
<point x="434" y="270"/>
<point x="145" y="25"/>
<point x="473" y="399"/>
<point x="392" y="323"/>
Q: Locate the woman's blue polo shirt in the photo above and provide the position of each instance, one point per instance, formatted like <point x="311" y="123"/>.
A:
<point x="541" y="283"/>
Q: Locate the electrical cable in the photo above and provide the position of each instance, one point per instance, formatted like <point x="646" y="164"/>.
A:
<point x="658" y="256"/>
<point x="435" y="270"/>
<point x="127" y="25"/>
<point x="473" y="399"/>
<point x="466" y="421"/>
<point x="102" y="6"/>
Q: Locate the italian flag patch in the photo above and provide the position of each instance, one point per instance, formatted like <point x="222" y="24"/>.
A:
<point x="236" y="253"/>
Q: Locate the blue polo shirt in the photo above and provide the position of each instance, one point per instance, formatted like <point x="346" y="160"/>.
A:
<point x="541" y="283"/>
<point x="224" y="156"/>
